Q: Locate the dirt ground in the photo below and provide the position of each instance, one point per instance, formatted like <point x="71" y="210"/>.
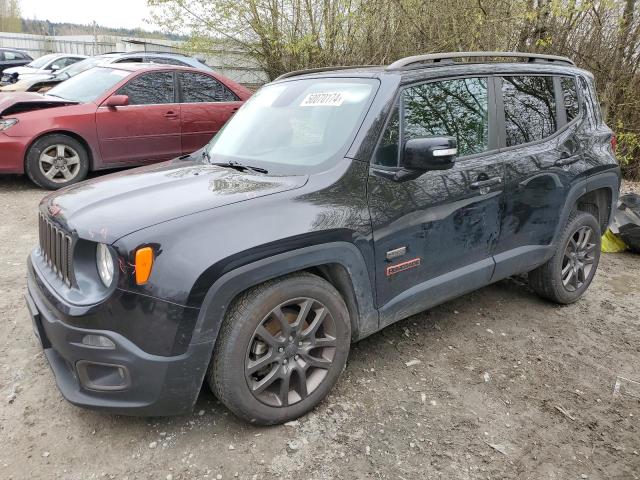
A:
<point x="505" y="386"/>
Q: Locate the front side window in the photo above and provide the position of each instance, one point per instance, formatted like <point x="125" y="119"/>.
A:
<point x="304" y="122"/>
<point x="456" y="108"/>
<point x="200" y="88"/>
<point x="149" y="89"/>
<point x="12" y="56"/>
<point x="529" y="108"/>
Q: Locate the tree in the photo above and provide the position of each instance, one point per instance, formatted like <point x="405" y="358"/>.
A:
<point x="10" y="20"/>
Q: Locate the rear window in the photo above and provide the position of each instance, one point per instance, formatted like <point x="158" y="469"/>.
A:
<point x="529" y="108"/>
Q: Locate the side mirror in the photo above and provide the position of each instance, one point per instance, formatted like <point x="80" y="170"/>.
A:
<point x="430" y="153"/>
<point x="117" y="101"/>
<point x="55" y="68"/>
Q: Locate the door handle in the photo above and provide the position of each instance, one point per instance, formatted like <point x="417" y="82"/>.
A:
<point x="490" y="182"/>
<point x="171" y="114"/>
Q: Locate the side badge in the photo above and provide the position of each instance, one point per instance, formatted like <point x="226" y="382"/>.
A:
<point x="401" y="267"/>
<point x="396" y="252"/>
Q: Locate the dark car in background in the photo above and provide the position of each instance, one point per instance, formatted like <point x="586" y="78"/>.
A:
<point x="44" y="82"/>
<point x="10" y="58"/>
<point x="333" y="204"/>
<point x="113" y="116"/>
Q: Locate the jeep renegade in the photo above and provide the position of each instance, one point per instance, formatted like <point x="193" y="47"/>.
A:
<point x="334" y="203"/>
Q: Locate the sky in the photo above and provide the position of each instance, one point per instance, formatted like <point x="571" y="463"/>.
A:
<point x="109" y="13"/>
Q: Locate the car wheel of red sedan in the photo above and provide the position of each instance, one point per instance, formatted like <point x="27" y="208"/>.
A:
<point x="55" y="161"/>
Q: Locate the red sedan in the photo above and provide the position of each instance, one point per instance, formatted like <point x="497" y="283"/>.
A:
<point x="113" y="116"/>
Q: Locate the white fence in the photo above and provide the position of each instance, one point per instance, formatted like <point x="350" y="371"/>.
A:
<point x="231" y="63"/>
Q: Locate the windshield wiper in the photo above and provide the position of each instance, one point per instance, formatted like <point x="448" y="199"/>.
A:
<point x="240" y="166"/>
<point x="232" y="164"/>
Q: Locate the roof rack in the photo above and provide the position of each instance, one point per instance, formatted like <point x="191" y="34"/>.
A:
<point x="438" y="58"/>
<point x="295" y="73"/>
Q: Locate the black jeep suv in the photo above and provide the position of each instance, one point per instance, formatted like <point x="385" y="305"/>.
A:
<point x="332" y="204"/>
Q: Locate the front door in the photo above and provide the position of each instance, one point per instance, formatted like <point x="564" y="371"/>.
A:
<point x="206" y="106"/>
<point x="434" y="235"/>
<point x="148" y="129"/>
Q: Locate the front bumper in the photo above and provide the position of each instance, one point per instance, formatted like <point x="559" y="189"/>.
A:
<point x="151" y="385"/>
<point x="12" y="153"/>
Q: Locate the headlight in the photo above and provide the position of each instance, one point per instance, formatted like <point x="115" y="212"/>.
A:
<point x="104" y="262"/>
<point x="7" y="123"/>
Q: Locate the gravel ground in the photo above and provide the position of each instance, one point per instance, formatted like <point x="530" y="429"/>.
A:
<point x="500" y="384"/>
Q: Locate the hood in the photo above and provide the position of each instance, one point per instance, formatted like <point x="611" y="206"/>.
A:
<point x="23" y="84"/>
<point x="20" y="70"/>
<point x="110" y="207"/>
<point x="20" y="102"/>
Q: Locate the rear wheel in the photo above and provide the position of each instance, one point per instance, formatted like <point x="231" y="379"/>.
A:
<point x="57" y="160"/>
<point x="281" y="349"/>
<point x="566" y="276"/>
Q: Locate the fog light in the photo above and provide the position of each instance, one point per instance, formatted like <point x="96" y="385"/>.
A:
<point x="98" y="341"/>
<point x="103" y="376"/>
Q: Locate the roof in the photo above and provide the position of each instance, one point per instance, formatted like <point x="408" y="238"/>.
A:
<point x="137" y="66"/>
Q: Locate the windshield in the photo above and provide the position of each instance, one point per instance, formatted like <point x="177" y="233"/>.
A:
<point x="42" y="61"/>
<point x="301" y="122"/>
<point x="89" y="85"/>
<point x="76" y="68"/>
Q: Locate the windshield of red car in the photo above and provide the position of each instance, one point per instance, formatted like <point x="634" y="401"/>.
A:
<point x="89" y="85"/>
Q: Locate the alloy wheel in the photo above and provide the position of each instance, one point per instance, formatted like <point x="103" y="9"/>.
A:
<point x="579" y="256"/>
<point x="59" y="163"/>
<point x="291" y="352"/>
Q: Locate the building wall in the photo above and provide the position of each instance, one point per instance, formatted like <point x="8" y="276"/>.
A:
<point x="231" y="63"/>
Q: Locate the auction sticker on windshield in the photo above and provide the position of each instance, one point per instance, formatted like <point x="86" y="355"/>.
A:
<point x="324" y="99"/>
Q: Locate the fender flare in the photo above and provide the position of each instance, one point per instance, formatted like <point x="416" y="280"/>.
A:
<point x="228" y="286"/>
<point x="609" y="179"/>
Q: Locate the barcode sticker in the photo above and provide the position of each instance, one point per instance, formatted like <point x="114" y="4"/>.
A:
<point x="324" y="99"/>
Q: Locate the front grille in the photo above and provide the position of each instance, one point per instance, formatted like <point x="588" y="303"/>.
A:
<point x="56" y="248"/>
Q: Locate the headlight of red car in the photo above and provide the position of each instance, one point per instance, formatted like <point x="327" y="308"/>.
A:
<point x="7" y="123"/>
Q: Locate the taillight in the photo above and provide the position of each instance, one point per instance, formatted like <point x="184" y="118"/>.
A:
<point x="614" y="143"/>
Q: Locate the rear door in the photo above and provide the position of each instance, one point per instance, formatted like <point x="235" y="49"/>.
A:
<point x="206" y="105"/>
<point x="542" y="159"/>
<point x="148" y="129"/>
<point x="434" y="235"/>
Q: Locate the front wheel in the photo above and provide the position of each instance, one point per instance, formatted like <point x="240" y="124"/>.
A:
<point x="281" y="348"/>
<point x="57" y="160"/>
<point x="566" y="276"/>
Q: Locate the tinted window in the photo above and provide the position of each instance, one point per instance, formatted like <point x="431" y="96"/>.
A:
<point x="570" y="95"/>
<point x="197" y="88"/>
<point x="129" y="60"/>
<point x="456" y="108"/>
<point x="12" y="56"/>
<point x="149" y="89"/>
<point x="166" y="61"/>
<point x="529" y="108"/>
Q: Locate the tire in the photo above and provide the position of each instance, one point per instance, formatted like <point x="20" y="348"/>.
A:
<point x="550" y="280"/>
<point x="56" y="161"/>
<point x="243" y="360"/>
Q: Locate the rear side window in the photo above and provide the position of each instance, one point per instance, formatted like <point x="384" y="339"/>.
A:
<point x="200" y="88"/>
<point x="529" y="108"/>
<point x="149" y="89"/>
<point x="167" y="61"/>
<point x="570" y="95"/>
<point x="457" y="108"/>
